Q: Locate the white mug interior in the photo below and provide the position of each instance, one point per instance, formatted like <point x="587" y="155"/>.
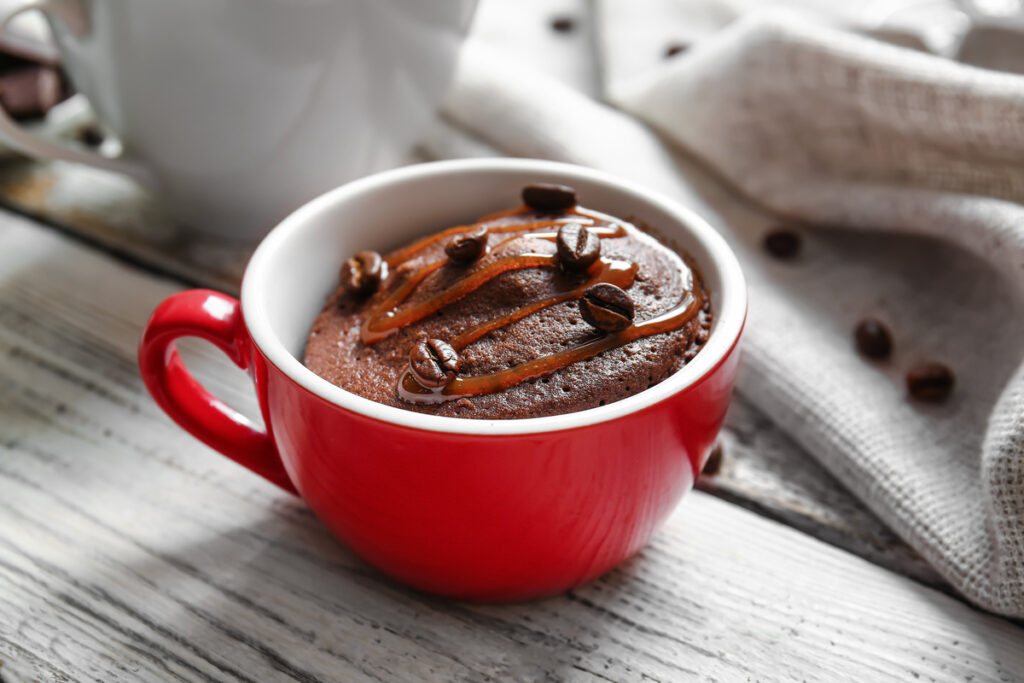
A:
<point x="296" y="267"/>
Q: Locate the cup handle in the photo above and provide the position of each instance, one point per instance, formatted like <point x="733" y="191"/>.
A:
<point x="217" y="318"/>
<point x="72" y="13"/>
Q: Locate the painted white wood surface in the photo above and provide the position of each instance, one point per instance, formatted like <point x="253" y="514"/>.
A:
<point x="129" y="552"/>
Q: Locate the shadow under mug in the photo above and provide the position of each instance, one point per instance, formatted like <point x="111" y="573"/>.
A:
<point x="238" y="111"/>
<point x="477" y="509"/>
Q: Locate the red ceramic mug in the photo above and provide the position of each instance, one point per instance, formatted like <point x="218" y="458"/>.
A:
<point x="476" y="509"/>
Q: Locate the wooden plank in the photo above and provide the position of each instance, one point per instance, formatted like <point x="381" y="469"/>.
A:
<point x="128" y="552"/>
<point x="764" y="471"/>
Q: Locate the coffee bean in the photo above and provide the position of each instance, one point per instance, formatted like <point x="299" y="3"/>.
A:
<point x="713" y="465"/>
<point x="362" y="273"/>
<point x="873" y="340"/>
<point x="782" y="244"/>
<point x="29" y="92"/>
<point x="467" y="247"/>
<point x="607" y="307"/>
<point x="929" y="381"/>
<point x="91" y="136"/>
<point x="563" y="24"/>
<point x="578" y="246"/>
<point x="433" y="362"/>
<point x="548" y="197"/>
<point x="674" y="49"/>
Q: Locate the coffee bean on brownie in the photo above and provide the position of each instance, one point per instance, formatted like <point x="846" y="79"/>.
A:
<point x="563" y="24"/>
<point x="930" y="382"/>
<point x="673" y="49"/>
<point x="548" y="197"/>
<point x="433" y="362"/>
<point x="783" y="244"/>
<point x="467" y="247"/>
<point x="607" y="307"/>
<point x="362" y="273"/>
<point x="873" y="339"/>
<point x="578" y="246"/>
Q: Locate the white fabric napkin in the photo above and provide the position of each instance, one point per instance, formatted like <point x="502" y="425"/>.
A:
<point x="904" y="172"/>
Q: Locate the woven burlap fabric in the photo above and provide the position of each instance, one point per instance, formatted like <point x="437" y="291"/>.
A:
<point x="840" y="130"/>
<point x="905" y="172"/>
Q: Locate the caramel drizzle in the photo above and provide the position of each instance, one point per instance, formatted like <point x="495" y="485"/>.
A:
<point x="402" y="255"/>
<point x="619" y="273"/>
<point x="386" y="318"/>
<point x="462" y="387"/>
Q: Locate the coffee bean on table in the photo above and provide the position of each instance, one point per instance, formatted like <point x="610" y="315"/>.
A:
<point x="607" y="307"/>
<point x="563" y="24"/>
<point x="578" y="246"/>
<point x="673" y="49"/>
<point x="783" y="244"/>
<point x="548" y="197"/>
<point x="90" y="135"/>
<point x="467" y="247"/>
<point x="713" y="465"/>
<point x="361" y="274"/>
<point x="433" y="362"/>
<point x="873" y="339"/>
<point x="930" y="382"/>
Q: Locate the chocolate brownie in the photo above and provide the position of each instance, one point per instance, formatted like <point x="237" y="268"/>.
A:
<point x="543" y="309"/>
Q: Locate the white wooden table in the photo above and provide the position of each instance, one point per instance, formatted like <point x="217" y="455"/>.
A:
<point x="130" y="552"/>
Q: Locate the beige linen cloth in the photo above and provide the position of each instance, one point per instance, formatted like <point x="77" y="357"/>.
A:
<point x="905" y="171"/>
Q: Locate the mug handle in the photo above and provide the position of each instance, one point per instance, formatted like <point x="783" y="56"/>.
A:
<point x="72" y="13"/>
<point x="217" y="318"/>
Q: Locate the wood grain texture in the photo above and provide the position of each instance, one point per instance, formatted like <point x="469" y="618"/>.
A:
<point x="764" y="471"/>
<point x="129" y="552"/>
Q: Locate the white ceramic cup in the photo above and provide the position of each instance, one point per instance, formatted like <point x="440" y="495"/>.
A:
<point x="239" y="111"/>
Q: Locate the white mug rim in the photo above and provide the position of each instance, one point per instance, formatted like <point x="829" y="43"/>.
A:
<point x="729" y="317"/>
